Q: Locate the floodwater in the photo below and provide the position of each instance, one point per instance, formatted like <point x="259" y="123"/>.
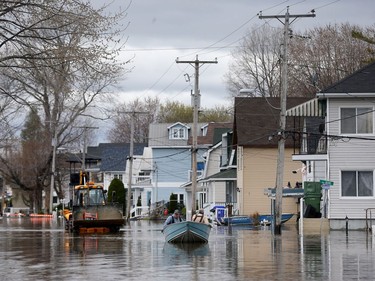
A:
<point x="40" y="249"/>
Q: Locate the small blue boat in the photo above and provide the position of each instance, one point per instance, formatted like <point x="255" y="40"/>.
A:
<point x="261" y="219"/>
<point x="187" y="232"/>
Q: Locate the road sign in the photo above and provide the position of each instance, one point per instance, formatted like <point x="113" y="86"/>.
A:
<point x="326" y="184"/>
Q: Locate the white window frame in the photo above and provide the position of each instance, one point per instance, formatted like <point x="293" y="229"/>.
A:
<point x="117" y="176"/>
<point x="356" y="183"/>
<point x="357" y="117"/>
<point x="178" y="133"/>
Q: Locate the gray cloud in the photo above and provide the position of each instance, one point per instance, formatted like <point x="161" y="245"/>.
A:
<point x="162" y="30"/>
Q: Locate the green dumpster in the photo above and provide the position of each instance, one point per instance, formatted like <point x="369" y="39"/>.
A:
<point x="312" y="194"/>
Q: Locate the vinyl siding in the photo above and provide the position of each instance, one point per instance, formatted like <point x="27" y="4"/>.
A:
<point x="173" y="164"/>
<point x="159" y="135"/>
<point x="348" y="154"/>
<point x="216" y="192"/>
<point x="213" y="163"/>
<point x="259" y="173"/>
<point x="216" y="189"/>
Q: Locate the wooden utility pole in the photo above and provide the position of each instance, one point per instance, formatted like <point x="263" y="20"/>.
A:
<point x="54" y="147"/>
<point x="85" y="128"/>
<point x="131" y="152"/>
<point x="281" y="134"/>
<point x="196" y="104"/>
<point x="130" y="158"/>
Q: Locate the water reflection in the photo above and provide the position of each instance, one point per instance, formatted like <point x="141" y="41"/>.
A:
<point x="186" y="250"/>
<point x="40" y="249"/>
<point x="93" y="244"/>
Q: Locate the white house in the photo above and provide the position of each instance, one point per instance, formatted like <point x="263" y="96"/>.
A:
<point x="339" y="150"/>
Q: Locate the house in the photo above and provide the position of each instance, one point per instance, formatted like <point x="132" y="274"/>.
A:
<point x="142" y="183"/>
<point x="171" y="151"/>
<point x="211" y="187"/>
<point x="255" y="137"/>
<point x="171" y="157"/>
<point x="108" y="161"/>
<point x="340" y="150"/>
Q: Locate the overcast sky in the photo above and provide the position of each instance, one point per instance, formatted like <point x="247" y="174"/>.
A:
<point x="159" y="31"/>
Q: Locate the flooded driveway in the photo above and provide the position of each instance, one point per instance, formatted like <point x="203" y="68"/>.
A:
<point x="40" y="249"/>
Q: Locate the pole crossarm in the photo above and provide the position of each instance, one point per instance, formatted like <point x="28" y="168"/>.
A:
<point x="201" y="62"/>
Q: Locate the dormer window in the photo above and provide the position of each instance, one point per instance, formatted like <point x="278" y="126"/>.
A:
<point x="204" y="130"/>
<point x="178" y="131"/>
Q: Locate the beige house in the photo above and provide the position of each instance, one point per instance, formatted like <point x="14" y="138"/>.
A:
<point x="255" y="130"/>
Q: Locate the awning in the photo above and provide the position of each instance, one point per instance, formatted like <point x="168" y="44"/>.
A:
<point x="226" y="175"/>
<point x="311" y="108"/>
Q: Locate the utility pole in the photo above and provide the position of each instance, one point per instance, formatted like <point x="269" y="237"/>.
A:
<point x="131" y="152"/>
<point x="54" y="145"/>
<point x="195" y="103"/>
<point x="130" y="158"/>
<point x="83" y="164"/>
<point x="156" y="183"/>
<point x="281" y="134"/>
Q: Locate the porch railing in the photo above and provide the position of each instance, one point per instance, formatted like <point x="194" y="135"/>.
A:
<point x="312" y="144"/>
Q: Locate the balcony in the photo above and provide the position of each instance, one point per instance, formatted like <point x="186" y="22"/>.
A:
<point x="142" y="181"/>
<point x="310" y="147"/>
<point x="307" y="121"/>
<point x="314" y="144"/>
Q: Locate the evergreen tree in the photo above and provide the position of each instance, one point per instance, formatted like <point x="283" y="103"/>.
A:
<point x="117" y="193"/>
<point x="172" y="203"/>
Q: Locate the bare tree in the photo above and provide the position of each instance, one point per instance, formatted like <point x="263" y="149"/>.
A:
<point x="60" y="61"/>
<point x="256" y="63"/>
<point x="368" y="37"/>
<point x="324" y="56"/>
<point x="148" y="107"/>
<point x="327" y="55"/>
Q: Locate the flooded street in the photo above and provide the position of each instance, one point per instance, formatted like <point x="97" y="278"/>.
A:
<point x="40" y="249"/>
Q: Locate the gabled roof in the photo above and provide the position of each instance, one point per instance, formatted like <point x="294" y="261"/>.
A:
<point x="225" y="175"/>
<point x="113" y="155"/>
<point x="178" y="124"/>
<point x="257" y="119"/>
<point x="214" y="133"/>
<point x="361" y="81"/>
<point x="159" y="135"/>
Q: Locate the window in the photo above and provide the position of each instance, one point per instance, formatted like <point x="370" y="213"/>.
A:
<point x="200" y="166"/>
<point x="115" y="176"/>
<point x="231" y="192"/>
<point x="357" y="120"/>
<point x="357" y="183"/>
<point x="178" y="133"/>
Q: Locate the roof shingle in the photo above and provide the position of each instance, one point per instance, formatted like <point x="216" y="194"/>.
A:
<point x="256" y="119"/>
